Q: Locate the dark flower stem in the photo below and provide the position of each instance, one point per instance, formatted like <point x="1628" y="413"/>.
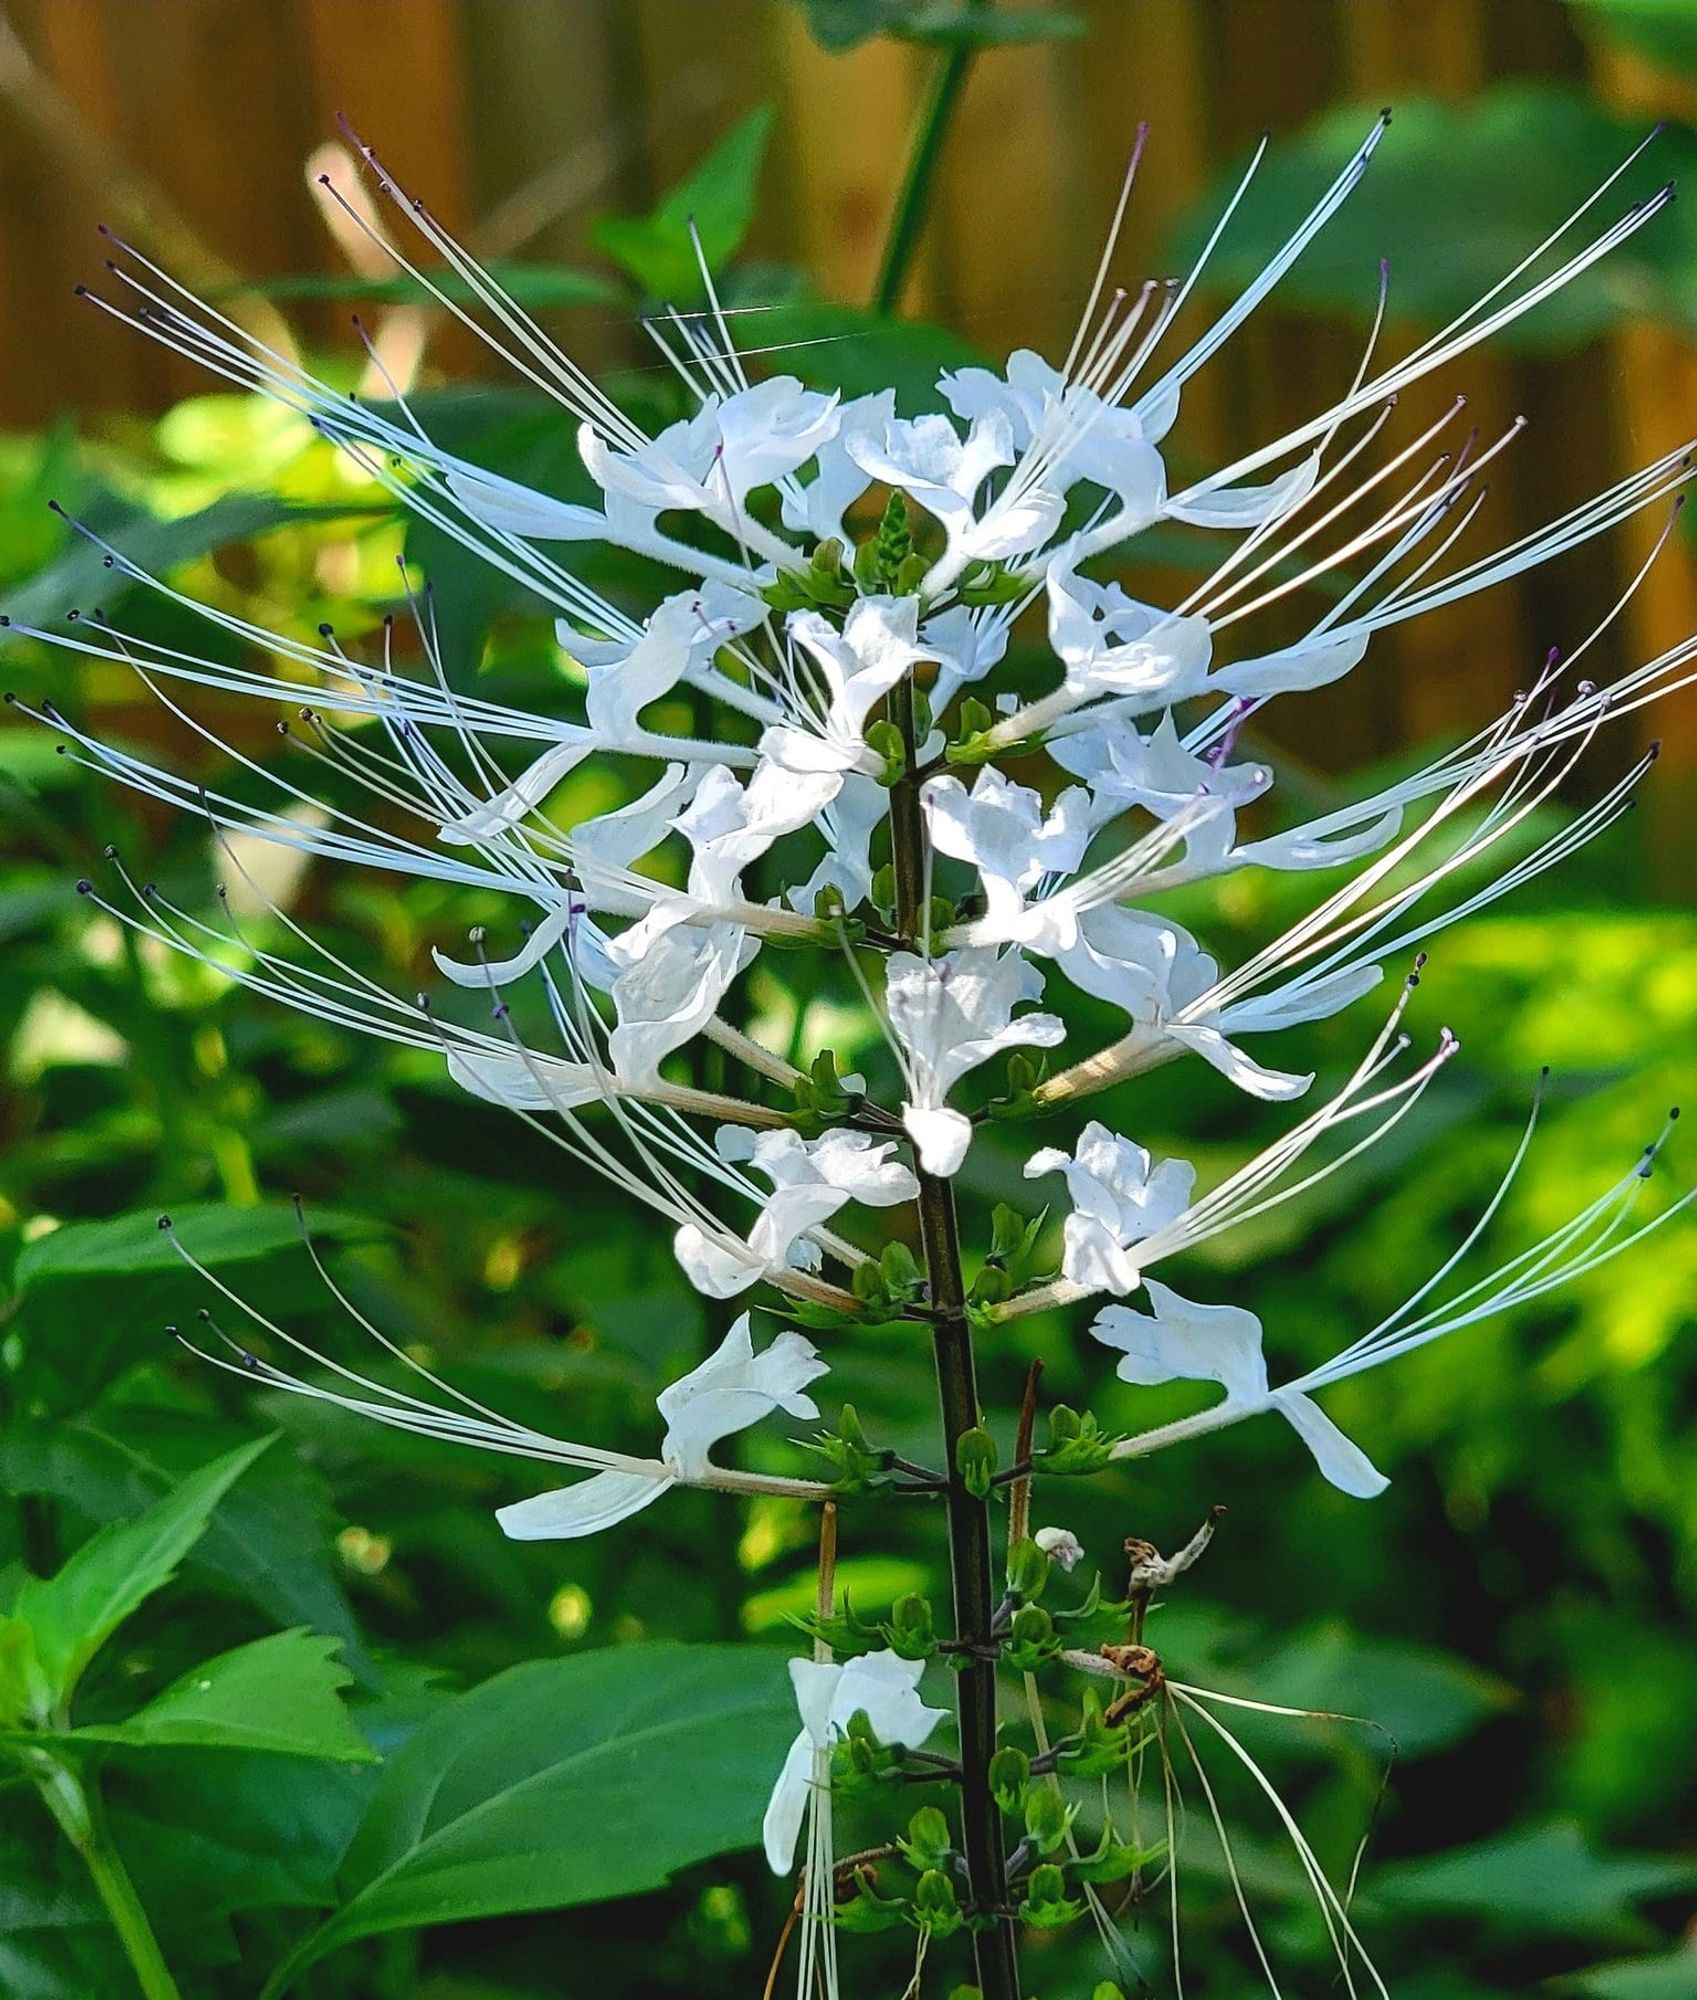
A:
<point x="971" y="1569"/>
<point x="907" y="223"/>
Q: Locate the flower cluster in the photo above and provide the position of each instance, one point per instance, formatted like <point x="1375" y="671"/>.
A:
<point x="818" y="754"/>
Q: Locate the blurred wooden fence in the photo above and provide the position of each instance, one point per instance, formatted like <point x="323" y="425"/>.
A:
<point x="188" y="122"/>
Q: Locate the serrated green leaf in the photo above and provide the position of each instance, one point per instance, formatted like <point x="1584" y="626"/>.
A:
<point x="568" y="1781"/>
<point x="71" y="1615"/>
<point x="281" y="1694"/>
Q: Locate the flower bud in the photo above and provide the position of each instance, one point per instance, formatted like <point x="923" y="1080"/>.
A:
<point x="1010" y="1773"/>
<point x="1047" y="1818"/>
<point x="1028" y="1568"/>
<point x="1061" y="1546"/>
<point x="975" y="1461"/>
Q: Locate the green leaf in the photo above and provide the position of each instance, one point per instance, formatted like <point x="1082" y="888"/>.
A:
<point x="73" y="1614"/>
<point x="718" y="197"/>
<point x="1663" y="30"/>
<point x="129" y="1245"/>
<point x="1672" y="1976"/>
<point x="270" y="1540"/>
<point x="1546" y="1878"/>
<point x="95" y="1292"/>
<point x="531" y="285"/>
<point x="281" y="1694"/>
<point x="568" y="1781"/>
<point x="79" y="576"/>
<point x="1512" y="162"/>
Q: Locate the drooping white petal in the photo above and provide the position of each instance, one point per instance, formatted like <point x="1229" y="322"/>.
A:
<point x="1343" y="1462"/>
<point x="828" y="1696"/>
<point x="1247" y="506"/>
<point x="517" y="801"/>
<point x="585" y="1508"/>
<point x="1310" y="663"/>
<point x="523" y="1083"/>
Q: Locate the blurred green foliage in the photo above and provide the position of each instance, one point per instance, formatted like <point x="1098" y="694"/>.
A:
<point x="1513" y="1618"/>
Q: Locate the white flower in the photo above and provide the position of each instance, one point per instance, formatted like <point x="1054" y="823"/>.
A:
<point x="1061" y="1546"/>
<point x="711" y="462"/>
<point x="1156" y="772"/>
<point x="1081" y="434"/>
<point x="966" y="642"/>
<point x="1184" y="1342"/>
<point x="929" y="461"/>
<point x="1003" y="830"/>
<point x="1158" y="973"/>
<point x="1118" y="1198"/>
<point x="858" y="666"/>
<point x="677" y="643"/>
<point x="848" y="823"/>
<point x="733" y="1388"/>
<point x="666" y="992"/>
<point x="882" y="1686"/>
<point x="1110" y="644"/>
<point x="811" y="1180"/>
<point x="949" y="1015"/>
<point x="818" y="507"/>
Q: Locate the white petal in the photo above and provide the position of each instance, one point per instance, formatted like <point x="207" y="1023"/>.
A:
<point x="1344" y="1463"/>
<point x="1314" y="663"/>
<point x="512" y="509"/>
<point x="787" y="1807"/>
<point x="524" y="1083"/>
<point x="583" y="1509"/>
<point x="503" y="971"/>
<point x="519" y="799"/>
<point x="1248" y="506"/>
<point x="1273" y="1086"/>
<point x="715" y="1269"/>
<point x="941" y="1137"/>
<point x="1182" y="1341"/>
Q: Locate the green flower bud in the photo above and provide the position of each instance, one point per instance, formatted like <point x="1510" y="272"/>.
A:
<point x="975" y="1460"/>
<point x="928" y="1839"/>
<point x="936" y="1907"/>
<point x="1010" y="1773"/>
<point x="912" y="1631"/>
<point x="1047" y="1818"/>
<point x="1028" y="1569"/>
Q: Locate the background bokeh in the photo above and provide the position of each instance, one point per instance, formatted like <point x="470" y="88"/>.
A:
<point x="1516" y="1612"/>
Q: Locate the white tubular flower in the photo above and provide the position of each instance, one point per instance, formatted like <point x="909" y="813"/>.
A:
<point x="666" y="991"/>
<point x="1158" y="973"/>
<point x="1003" y="830"/>
<point x="1080" y="434"/>
<point x="676" y="644"/>
<point x="811" y="1180"/>
<point x="883" y="1687"/>
<point x="733" y="1388"/>
<point x="1183" y="1342"/>
<point x="857" y="666"/>
<point x="949" y="1015"/>
<point x="1061" y="1546"/>
<point x="817" y="508"/>
<point x="927" y="459"/>
<point x="1119" y="1197"/>
<point x="1110" y="644"/>
<point x="710" y="462"/>
<point x="848" y="823"/>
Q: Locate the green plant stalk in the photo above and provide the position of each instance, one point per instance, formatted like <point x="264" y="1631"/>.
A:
<point x="77" y="1812"/>
<point x="907" y="223"/>
<point x="971" y="1568"/>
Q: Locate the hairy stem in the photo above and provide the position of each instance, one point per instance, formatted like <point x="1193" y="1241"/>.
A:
<point x="908" y="221"/>
<point x="970" y="1554"/>
<point x="78" y="1815"/>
